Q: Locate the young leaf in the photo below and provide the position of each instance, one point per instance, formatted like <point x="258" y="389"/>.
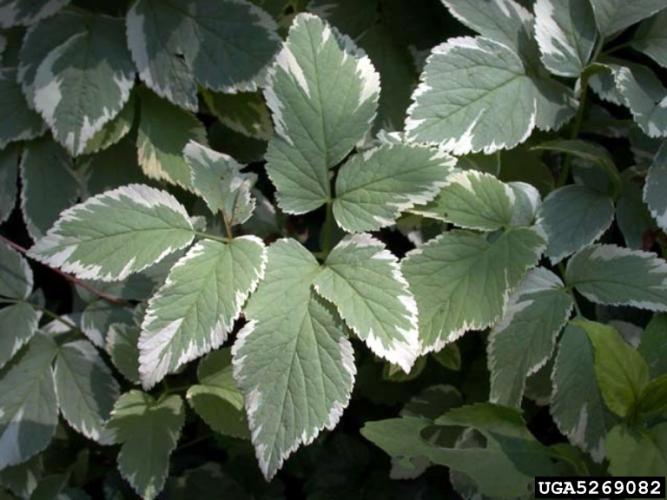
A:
<point x="83" y="83"/>
<point x="216" y="399"/>
<point x="655" y="188"/>
<point x="633" y="451"/>
<point x="650" y="38"/>
<point x="20" y="123"/>
<point x="27" y="12"/>
<point x="524" y="338"/>
<point x="565" y="31"/>
<point x="16" y="279"/>
<point x="218" y="179"/>
<point x="122" y="344"/>
<point x="373" y="188"/>
<point x="18" y="323"/>
<point x="9" y="161"/>
<point x="116" y="233"/>
<point x="49" y="185"/>
<point x="148" y="431"/>
<point x="572" y="217"/>
<point x="292" y="360"/>
<point x="473" y="200"/>
<point x="612" y="16"/>
<point x="86" y="389"/>
<point x="611" y="275"/>
<point x="323" y="93"/>
<point x="620" y="370"/>
<point x="160" y="147"/>
<point x="195" y="309"/>
<point x="576" y="402"/>
<point x="363" y="280"/>
<point x="28" y="400"/>
<point x="445" y="272"/>
<point x="223" y="45"/>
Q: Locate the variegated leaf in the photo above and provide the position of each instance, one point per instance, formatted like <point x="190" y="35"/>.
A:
<point x="116" y="233"/>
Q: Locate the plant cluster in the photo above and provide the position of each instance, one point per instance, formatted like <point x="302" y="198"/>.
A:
<point x="434" y="229"/>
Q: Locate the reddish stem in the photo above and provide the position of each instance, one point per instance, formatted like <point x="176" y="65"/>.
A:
<point x="68" y="277"/>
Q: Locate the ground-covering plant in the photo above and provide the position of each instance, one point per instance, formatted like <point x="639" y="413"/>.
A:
<point x="375" y="249"/>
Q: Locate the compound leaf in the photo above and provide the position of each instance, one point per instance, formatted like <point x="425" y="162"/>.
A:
<point x="292" y="360"/>
<point x="373" y="188"/>
<point x="116" y="233"/>
<point x="363" y="280"/>
<point x="323" y="93"/>
<point x="194" y="311"/>
<point x="148" y="431"/>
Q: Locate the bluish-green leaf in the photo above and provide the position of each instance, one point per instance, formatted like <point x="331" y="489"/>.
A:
<point x="373" y="188"/>
<point x="116" y="233"/>
<point x="221" y="44"/>
<point x="612" y="275"/>
<point x="612" y="16"/>
<point x="28" y="400"/>
<point x="524" y="338"/>
<point x="292" y="360"/>
<point x="27" y="12"/>
<point x="9" y="161"/>
<point x="18" y="324"/>
<point x="363" y="280"/>
<point x="323" y="94"/>
<point x="194" y="311"/>
<point x="655" y="188"/>
<point x="16" y="279"/>
<point x="20" y="123"/>
<point x="445" y="272"/>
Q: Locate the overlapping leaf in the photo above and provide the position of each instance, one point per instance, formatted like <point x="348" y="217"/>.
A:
<point x="565" y="31"/>
<point x="612" y="16"/>
<point x="373" y="188"/>
<point x="218" y="179"/>
<point x="83" y="83"/>
<point x="20" y="122"/>
<point x="8" y="186"/>
<point x="323" y="94"/>
<point x="655" y="188"/>
<point x="612" y="275"/>
<point x="651" y="38"/>
<point x="223" y="45"/>
<point x="195" y="309"/>
<point x="573" y="217"/>
<point x="148" y="431"/>
<point x="16" y="277"/>
<point x="292" y="361"/>
<point x="461" y="280"/>
<point x="523" y="340"/>
<point x="116" y="233"/>
<point x="27" y="12"/>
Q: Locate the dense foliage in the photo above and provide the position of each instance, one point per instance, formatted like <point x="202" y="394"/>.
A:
<point x="361" y="248"/>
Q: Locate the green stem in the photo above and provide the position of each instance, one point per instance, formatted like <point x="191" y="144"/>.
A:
<point x="576" y="128"/>
<point x="327" y="234"/>
<point x="212" y="237"/>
